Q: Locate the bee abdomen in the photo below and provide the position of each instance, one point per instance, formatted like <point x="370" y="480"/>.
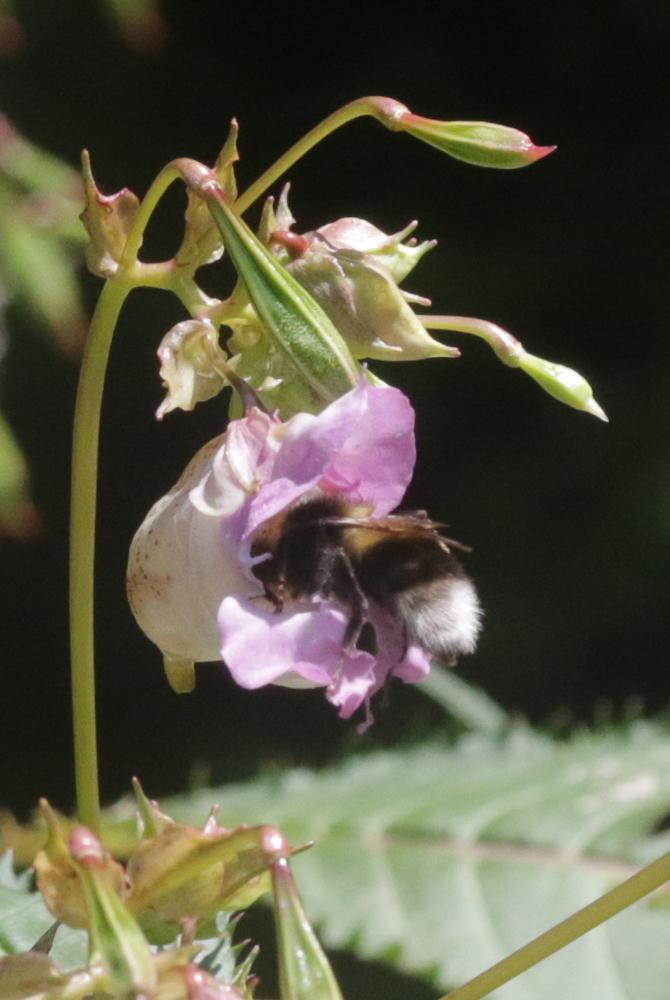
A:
<point x="444" y="617"/>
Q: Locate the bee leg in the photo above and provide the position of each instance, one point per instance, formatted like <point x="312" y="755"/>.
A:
<point x="275" y="595"/>
<point x="358" y="604"/>
<point x="328" y="561"/>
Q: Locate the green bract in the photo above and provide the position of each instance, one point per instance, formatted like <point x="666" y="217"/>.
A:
<point x="296" y="324"/>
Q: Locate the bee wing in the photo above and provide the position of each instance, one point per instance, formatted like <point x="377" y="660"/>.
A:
<point x="416" y="523"/>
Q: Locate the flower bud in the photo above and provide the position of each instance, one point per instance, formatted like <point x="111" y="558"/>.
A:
<point x="304" y="970"/>
<point x="190" y="982"/>
<point x="190" y="358"/>
<point x="352" y="269"/>
<point x="58" y="877"/>
<point x="562" y="383"/>
<point x="482" y="144"/>
<point x="290" y="316"/>
<point x="108" y="220"/>
<point x="184" y="872"/>
<point x="116" y="939"/>
<point x="397" y="256"/>
<point x="361" y="298"/>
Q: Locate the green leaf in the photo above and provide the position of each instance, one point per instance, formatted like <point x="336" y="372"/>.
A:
<point x="24" y="919"/>
<point x="442" y="860"/>
<point x="446" y="859"/>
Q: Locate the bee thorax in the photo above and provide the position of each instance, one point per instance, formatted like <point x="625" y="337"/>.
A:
<point x="443" y="616"/>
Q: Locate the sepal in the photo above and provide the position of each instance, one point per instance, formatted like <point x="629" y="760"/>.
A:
<point x="202" y="243"/>
<point x="304" y="970"/>
<point x="108" y="220"/>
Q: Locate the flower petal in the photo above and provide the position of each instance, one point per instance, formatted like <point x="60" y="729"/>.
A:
<point x="362" y="445"/>
<point x="180" y="566"/>
<point x="261" y="646"/>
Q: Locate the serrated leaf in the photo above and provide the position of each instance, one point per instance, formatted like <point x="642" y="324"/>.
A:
<point x="24" y="919"/>
<point x="442" y="860"/>
<point x="447" y="859"/>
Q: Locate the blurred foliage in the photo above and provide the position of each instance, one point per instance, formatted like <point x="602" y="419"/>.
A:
<point x="41" y="248"/>
<point x="443" y="860"/>
<point x="139" y="23"/>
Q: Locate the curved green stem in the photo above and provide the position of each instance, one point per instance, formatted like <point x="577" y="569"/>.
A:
<point x="82" y="548"/>
<point x="384" y="109"/>
<point x="584" y="920"/>
<point x="505" y="346"/>
<point x="85" y="447"/>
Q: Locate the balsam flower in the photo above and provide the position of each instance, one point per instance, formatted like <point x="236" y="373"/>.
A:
<point x="190" y="579"/>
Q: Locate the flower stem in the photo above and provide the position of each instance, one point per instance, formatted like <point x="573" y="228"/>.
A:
<point x="505" y="346"/>
<point x="85" y="448"/>
<point x="384" y="109"/>
<point x="633" y="889"/>
<point x="82" y="548"/>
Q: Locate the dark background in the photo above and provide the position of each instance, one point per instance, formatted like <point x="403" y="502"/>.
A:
<point x="569" y="517"/>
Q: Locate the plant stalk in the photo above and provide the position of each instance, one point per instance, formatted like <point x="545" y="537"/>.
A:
<point x="384" y="109"/>
<point x="622" y="896"/>
<point x="85" y="452"/>
<point x="82" y="548"/>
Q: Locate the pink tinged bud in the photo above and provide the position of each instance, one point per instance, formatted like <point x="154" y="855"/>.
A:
<point x="184" y="872"/>
<point x="304" y="970"/>
<point x="58" y="878"/>
<point x="191" y="365"/>
<point x="397" y="256"/>
<point x="363" y="301"/>
<point x="203" y="986"/>
<point x="108" y="220"/>
<point x="480" y="143"/>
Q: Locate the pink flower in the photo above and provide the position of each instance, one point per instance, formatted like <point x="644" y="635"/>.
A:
<point x="191" y="583"/>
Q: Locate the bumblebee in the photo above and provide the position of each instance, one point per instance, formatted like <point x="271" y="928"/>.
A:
<point x="324" y="546"/>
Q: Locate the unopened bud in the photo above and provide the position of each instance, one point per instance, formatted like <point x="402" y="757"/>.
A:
<point x="58" y="876"/>
<point x="398" y="253"/>
<point x="185" y="872"/>
<point x="482" y="144"/>
<point x="365" y="304"/>
<point x="563" y="384"/>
